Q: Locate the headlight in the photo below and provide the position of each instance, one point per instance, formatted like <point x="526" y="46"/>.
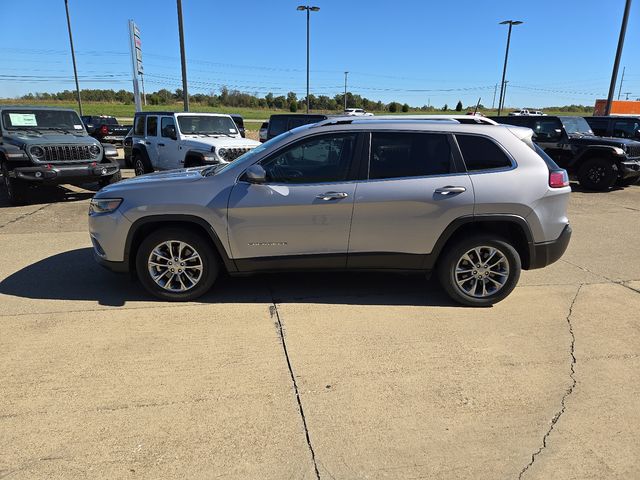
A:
<point x="94" y="150"/>
<point x="104" y="205"/>
<point x="618" y="151"/>
<point x="222" y="152"/>
<point x="37" y="152"/>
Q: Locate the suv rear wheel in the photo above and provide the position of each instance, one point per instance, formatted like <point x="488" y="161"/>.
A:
<point x="176" y="265"/>
<point x="598" y="174"/>
<point x="140" y="164"/>
<point x="480" y="270"/>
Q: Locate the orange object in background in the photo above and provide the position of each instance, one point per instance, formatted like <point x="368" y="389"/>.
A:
<point x="618" y="107"/>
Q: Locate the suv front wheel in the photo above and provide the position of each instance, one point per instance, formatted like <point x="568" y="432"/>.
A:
<point x="480" y="270"/>
<point x="176" y="265"/>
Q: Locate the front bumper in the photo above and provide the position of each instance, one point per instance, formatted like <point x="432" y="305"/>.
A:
<point x="543" y="254"/>
<point x="630" y="168"/>
<point x="56" y="174"/>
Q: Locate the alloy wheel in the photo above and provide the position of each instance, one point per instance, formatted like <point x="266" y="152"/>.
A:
<point x="482" y="271"/>
<point x="175" y="266"/>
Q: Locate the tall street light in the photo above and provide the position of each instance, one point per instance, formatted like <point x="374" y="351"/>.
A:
<point x="308" y="9"/>
<point x="345" y="90"/>
<point x="511" y="23"/>
<point x="73" y="57"/>
<point x="616" y="62"/>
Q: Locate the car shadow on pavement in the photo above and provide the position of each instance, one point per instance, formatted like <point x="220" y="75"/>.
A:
<point x="74" y="275"/>
<point x="50" y="194"/>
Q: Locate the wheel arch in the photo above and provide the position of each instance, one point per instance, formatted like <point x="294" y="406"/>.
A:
<point x="144" y="226"/>
<point x="512" y="227"/>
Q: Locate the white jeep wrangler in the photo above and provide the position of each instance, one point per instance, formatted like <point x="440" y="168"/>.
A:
<point x="169" y="140"/>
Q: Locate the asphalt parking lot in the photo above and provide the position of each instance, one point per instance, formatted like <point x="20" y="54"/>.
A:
<point x="333" y="376"/>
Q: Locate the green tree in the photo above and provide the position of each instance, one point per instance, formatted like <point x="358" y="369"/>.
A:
<point x="445" y="108"/>
<point x="405" y="108"/>
<point x="459" y="106"/>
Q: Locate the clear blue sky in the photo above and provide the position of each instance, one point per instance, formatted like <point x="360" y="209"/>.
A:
<point x="562" y="54"/>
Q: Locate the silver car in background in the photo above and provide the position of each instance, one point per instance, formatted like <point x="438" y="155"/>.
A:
<point x="475" y="203"/>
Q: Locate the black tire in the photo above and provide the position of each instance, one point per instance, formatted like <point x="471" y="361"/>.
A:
<point x="140" y="164"/>
<point x="111" y="179"/>
<point x="210" y="265"/>
<point x="598" y="174"/>
<point x="454" y="255"/>
<point x="16" y="190"/>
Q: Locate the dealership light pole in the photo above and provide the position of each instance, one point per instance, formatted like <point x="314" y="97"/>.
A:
<point x="511" y="23"/>
<point x="73" y="57"/>
<point x="621" y="82"/>
<point x="183" y="60"/>
<point x="345" y="90"/>
<point x="616" y="63"/>
<point x="308" y="9"/>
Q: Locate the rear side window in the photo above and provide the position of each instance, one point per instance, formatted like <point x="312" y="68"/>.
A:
<point x="626" y="128"/>
<point x="152" y="126"/>
<point x="481" y="153"/>
<point x="277" y="125"/>
<point x="398" y="155"/>
<point x="138" y="128"/>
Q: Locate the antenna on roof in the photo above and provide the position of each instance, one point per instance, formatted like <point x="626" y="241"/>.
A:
<point x="477" y="105"/>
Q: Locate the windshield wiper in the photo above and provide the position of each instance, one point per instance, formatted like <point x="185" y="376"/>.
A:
<point x="26" y="129"/>
<point x="58" y="129"/>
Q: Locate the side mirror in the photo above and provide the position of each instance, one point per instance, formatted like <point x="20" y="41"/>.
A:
<point x="170" y="131"/>
<point x="255" y="174"/>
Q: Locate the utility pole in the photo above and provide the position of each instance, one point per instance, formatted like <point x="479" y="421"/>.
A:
<point x="616" y="62"/>
<point x="345" y="90"/>
<point x="504" y="94"/>
<point x="511" y="23"/>
<point x="183" y="60"/>
<point x="495" y="91"/>
<point x="73" y="57"/>
<point x="621" y="80"/>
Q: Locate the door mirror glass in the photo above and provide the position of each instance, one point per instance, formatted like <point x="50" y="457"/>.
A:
<point x="255" y="174"/>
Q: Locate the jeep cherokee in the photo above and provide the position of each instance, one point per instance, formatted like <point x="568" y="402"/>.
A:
<point x="475" y="203"/>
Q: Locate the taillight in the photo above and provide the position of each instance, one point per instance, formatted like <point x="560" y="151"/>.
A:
<point x="104" y="129"/>
<point x="558" y="179"/>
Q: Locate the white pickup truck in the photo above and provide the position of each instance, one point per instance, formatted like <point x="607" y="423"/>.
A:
<point x="169" y="140"/>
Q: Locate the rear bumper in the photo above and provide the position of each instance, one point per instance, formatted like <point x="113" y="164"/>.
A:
<point x="546" y="253"/>
<point x="56" y="174"/>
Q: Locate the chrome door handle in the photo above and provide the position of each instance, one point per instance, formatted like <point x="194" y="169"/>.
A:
<point x="332" y="196"/>
<point x="450" y="190"/>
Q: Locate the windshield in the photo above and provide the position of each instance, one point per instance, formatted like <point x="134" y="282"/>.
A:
<point x="206" y="125"/>
<point x="25" y="119"/>
<point x="576" y="125"/>
<point x="245" y="158"/>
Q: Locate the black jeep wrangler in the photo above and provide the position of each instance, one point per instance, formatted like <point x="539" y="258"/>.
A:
<point x="42" y="145"/>
<point x="598" y="163"/>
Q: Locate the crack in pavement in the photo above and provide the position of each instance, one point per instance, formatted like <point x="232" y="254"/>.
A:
<point x="273" y="311"/>
<point x="25" y="215"/>
<point x="568" y="392"/>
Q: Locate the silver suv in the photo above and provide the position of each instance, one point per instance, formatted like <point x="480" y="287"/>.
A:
<point x="474" y="203"/>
